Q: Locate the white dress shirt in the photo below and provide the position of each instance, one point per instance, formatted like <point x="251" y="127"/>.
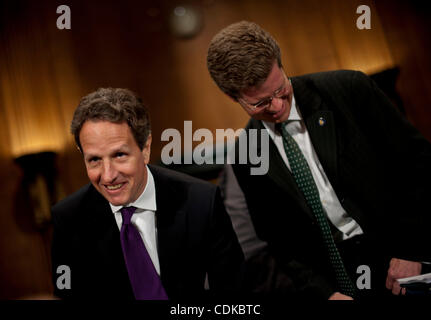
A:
<point x="144" y="218"/>
<point x="331" y="205"/>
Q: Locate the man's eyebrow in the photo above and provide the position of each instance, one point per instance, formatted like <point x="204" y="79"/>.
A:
<point x="122" y="148"/>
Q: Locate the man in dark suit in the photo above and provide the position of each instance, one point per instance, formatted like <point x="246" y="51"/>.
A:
<point x="348" y="179"/>
<point x="137" y="230"/>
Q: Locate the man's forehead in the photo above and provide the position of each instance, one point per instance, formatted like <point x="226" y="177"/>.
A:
<point x="104" y="127"/>
<point x="103" y="134"/>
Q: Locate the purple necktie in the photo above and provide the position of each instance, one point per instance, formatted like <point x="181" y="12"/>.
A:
<point x="143" y="276"/>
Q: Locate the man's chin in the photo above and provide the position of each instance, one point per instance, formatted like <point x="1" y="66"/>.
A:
<point x="115" y="201"/>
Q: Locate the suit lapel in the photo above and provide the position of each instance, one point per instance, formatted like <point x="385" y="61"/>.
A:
<point x="104" y="231"/>
<point x="171" y="221"/>
<point x="103" y="236"/>
<point x="278" y="171"/>
<point x="320" y="124"/>
<point x="102" y="221"/>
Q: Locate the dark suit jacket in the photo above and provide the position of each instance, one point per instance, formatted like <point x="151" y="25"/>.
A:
<point x="377" y="163"/>
<point x="194" y="234"/>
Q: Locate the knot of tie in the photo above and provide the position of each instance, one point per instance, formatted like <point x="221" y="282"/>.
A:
<point x="127" y="213"/>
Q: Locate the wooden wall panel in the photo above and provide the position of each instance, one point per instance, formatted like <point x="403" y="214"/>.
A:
<point x="27" y="82"/>
<point x="365" y="50"/>
<point x="407" y="26"/>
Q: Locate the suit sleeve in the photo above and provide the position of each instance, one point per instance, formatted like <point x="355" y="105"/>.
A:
<point x="225" y="261"/>
<point x="236" y="207"/>
<point x="264" y="275"/>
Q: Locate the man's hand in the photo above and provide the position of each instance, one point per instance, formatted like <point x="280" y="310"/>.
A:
<point x="339" y="296"/>
<point x="399" y="268"/>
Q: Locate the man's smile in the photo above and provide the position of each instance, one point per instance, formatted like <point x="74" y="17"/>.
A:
<point x="113" y="188"/>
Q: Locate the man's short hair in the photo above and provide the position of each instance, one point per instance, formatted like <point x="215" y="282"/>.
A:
<point x="241" y="56"/>
<point x="114" y="105"/>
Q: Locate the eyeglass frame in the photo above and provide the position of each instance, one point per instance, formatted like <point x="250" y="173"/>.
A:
<point x="256" y="106"/>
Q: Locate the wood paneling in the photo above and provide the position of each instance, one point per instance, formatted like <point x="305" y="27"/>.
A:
<point x="407" y="26"/>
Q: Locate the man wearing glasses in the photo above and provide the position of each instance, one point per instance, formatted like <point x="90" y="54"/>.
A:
<point x="339" y="215"/>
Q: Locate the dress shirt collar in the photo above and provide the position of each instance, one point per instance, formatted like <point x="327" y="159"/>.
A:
<point x="147" y="199"/>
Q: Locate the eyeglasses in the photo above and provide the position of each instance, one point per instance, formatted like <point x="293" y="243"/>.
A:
<point x="265" y="103"/>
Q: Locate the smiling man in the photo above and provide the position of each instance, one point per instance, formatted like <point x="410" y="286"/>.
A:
<point x="138" y="231"/>
<point x="348" y="176"/>
<point x="116" y="166"/>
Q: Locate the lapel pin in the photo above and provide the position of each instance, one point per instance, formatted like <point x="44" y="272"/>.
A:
<point x="322" y="122"/>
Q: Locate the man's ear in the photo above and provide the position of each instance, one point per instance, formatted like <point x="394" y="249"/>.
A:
<point x="146" y="151"/>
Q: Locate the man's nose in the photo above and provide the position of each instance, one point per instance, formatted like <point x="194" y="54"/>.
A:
<point x="109" y="173"/>
<point x="276" y="105"/>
